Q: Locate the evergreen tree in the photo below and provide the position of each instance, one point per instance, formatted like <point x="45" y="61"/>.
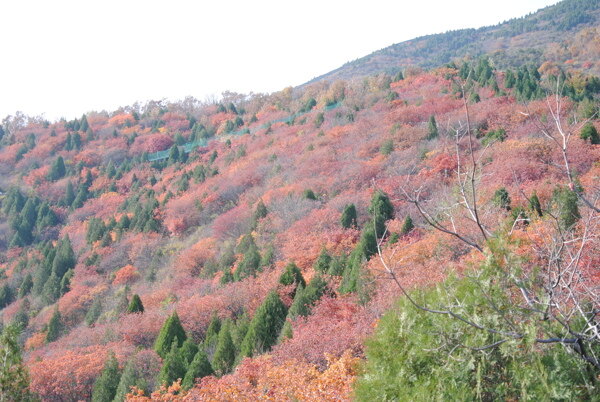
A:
<point x="26" y="286"/>
<point x="300" y="305"/>
<point x="69" y="195"/>
<point x="565" y="202"/>
<point x="589" y="133"/>
<point x="349" y="217"/>
<point x="171" y="331"/>
<point x="309" y="195"/>
<point x="502" y="199"/>
<point x="260" y="211"/>
<point x="57" y="170"/>
<point x="129" y="378"/>
<point x="14" y="379"/>
<point x="51" y="290"/>
<point x="212" y="334"/>
<point x="249" y="264"/>
<point x="174" y="155"/>
<point x="64" y="259"/>
<point x="224" y="357"/>
<point x="6" y="295"/>
<point x="407" y="226"/>
<point x="198" y="368"/>
<point x="94" y="312"/>
<point x="54" y="327"/>
<point x="265" y="326"/>
<point x="292" y="274"/>
<point x="287" y="332"/>
<point x="432" y="130"/>
<point x="173" y="367"/>
<point x="323" y="261"/>
<point x="135" y="305"/>
<point x="381" y="210"/>
<point x="188" y="351"/>
<point x="105" y="387"/>
<point x="534" y="204"/>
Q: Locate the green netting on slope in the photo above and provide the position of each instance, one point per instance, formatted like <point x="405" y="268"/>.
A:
<point x="190" y="146"/>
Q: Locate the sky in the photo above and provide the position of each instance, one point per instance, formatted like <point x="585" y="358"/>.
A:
<point x="63" y="58"/>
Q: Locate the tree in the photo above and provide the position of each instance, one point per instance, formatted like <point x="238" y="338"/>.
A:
<point x="188" y="351"/>
<point x="224" y="356"/>
<point x="14" y="378"/>
<point x="589" y="133"/>
<point x="565" y="202"/>
<point x="323" y="261"/>
<point x="171" y="331"/>
<point x="349" y="217"/>
<point x="407" y="226"/>
<point x="105" y="387"/>
<point x="26" y="285"/>
<point x="381" y="210"/>
<point x="57" y="170"/>
<point x="501" y="199"/>
<point x="173" y="367"/>
<point x="432" y="130"/>
<point x="64" y="259"/>
<point x="534" y="205"/>
<point x="135" y="305"/>
<point x="265" y="326"/>
<point x="6" y="295"/>
<point x="198" y="368"/>
<point x="55" y="327"/>
<point x="291" y="275"/>
<point x="309" y="195"/>
<point x="129" y="378"/>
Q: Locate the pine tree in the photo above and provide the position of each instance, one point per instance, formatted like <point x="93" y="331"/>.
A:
<point x="173" y="367"/>
<point x="14" y="379"/>
<point x="501" y="199"/>
<point x="94" y="312"/>
<point x="57" y="170"/>
<point x="323" y="261"/>
<point x="535" y="205"/>
<point x="287" y="332"/>
<point x="407" y="226"/>
<point x="292" y="274"/>
<point x="589" y="133"/>
<point x="265" y="326"/>
<point x="565" y="202"/>
<point x="349" y="217"/>
<point x="54" y="327"/>
<point x="64" y="259"/>
<point x="26" y="286"/>
<point x="6" y="295"/>
<point x="381" y="210"/>
<point x="188" y="351"/>
<point x="198" y="368"/>
<point x="224" y="356"/>
<point x="300" y="305"/>
<point x="432" y="130"/>
<point x="106" y="385"/>
<point x="69" y="195"/>
<point x="170" y="331"/>
<point x="129" y="378"/>
<point x="135" y="305"/>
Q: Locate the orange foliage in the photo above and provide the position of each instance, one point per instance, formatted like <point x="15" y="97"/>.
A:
<point x="126" y="275"/>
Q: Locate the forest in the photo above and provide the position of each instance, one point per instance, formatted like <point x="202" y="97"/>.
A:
<point x="427" y="234"/>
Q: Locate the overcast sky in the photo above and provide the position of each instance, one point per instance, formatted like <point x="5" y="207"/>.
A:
<point x="64" y="58"/>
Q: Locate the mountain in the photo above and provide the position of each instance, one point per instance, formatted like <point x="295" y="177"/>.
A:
<point x="564" y="32"/>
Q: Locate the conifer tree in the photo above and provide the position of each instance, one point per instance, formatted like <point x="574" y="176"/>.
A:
<point x="535" y="205"/>
<point x="287" y="332"/>
<point x="26" y="286"/>
<point x="349" y="217"/>
<point x="129" y="378"/>
<point x="173" y="367"/>
<point x="188" y="351"/>
<point x="265" y="326"/>
<point x="54" y="327"/>
<point x="224" y="357"/>
<point x="381" y="210"/>
<point x="292" y="274"/>
<point x="198" y="368"/>
<point x="57" y="170"/>
<point x="135" y="305"/>
<point x="589" y="133"/>
<point x="171" y="331"/>
<point x="64" y="259"/>
<point x="323" y="261"/>
<point x="14" y="379"/>
<point x="407" y="226"/>
<point x="432" y="130"/>
<point x="105" y="387"/>
<point x="299" y="306"/>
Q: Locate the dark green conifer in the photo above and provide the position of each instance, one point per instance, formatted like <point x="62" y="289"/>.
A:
<point x="173" y="367"/>
<point x="105" y="387"/>
<point x="198" y="368"/>
<point x="171" y="331"/>
<point x="292" y="274"/>
<point x="432" y="130"/>
<point x="323" y="261"/>
<point x="349" y="217"/>
<point x="135" y="305"/>
<point x="54" y="327"/>
<point x="57" y="170"/>
<point x="224" y="357"/>
<point x="265" y="326"/>
<point x="407" y="226"/>
<point x="535" y="205"/>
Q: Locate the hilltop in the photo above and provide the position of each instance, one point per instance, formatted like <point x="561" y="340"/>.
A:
<point x="564" y="33"/>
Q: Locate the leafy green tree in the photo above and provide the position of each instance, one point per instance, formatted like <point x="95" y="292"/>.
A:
<point x="349" y="217"/>
<point x="589" y="133"/>
<point x="173" y="367"/>
<point x="432" y="130"/>
<point x="55" y="327"/>
<point x="292" y="274"/>
<point x="265" y="326"/>
<point x="14" y="378"/>
<point x="105" y="387"/>
<point x="171" y="331"/>
<point x="57" y="169"/>
<point x="224" y="357"/>
<point x="198" y="368"/>
<point x="135" y="305"/>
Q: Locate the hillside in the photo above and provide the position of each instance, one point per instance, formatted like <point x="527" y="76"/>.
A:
<point x="257" y="248"/>
<point x="565" y="33"/>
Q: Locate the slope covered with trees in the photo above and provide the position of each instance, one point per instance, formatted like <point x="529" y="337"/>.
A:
<point x="248" y="249"/>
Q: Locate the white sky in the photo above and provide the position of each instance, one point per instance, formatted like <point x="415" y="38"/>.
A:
<point x="64" y="58"/>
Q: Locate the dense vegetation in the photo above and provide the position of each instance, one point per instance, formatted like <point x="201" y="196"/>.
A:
<point x="399" y="236"/>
